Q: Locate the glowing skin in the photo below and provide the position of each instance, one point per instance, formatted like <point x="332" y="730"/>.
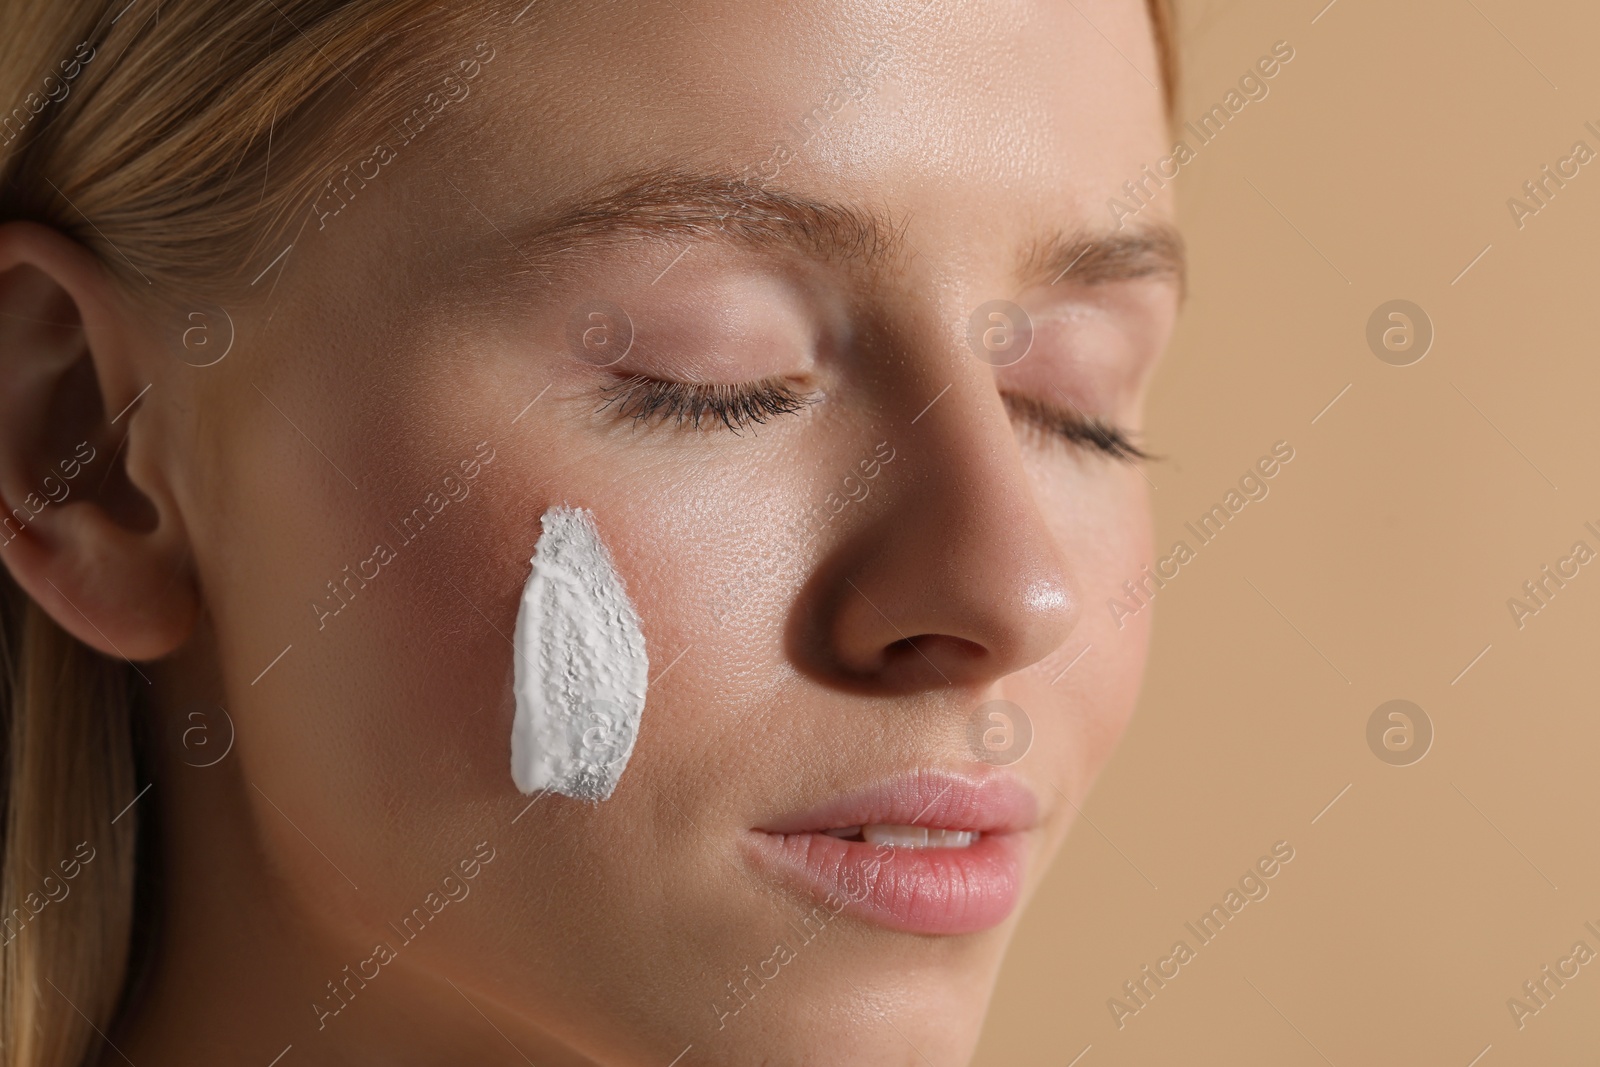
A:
<point x="580" y="668"/>
<point x="822" y="620"/>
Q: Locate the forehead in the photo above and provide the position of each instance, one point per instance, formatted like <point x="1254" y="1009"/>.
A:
<point x="962" y="111"/>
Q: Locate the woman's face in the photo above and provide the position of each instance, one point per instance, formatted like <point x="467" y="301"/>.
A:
<point x="816" y="201"/>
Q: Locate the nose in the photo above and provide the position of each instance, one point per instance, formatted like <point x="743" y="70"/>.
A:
<point x="955" y="578"/>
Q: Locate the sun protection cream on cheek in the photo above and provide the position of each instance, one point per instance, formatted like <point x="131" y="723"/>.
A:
<point x="580" y="668"/>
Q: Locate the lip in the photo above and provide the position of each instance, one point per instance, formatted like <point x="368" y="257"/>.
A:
<point x="925" y="891"/>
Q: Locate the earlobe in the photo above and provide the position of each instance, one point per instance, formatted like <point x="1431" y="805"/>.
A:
<point x="103" y="553"/>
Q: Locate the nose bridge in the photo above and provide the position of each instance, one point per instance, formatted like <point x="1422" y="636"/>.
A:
<point x="958" y="578"/>
<point x="980" y="486"/>
<point x="976" y="490"/>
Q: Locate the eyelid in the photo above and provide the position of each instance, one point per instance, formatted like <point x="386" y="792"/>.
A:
<point x="736" y="405"/>
<point x="1074" y="426"/>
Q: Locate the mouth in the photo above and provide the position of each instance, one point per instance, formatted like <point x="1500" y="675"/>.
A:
<point x="900" y="835"/>
<point x="928" y="853"/>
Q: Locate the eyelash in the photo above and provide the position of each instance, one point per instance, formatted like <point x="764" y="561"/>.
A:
<point x="1088" y="431"/>
<point x="740" y="406"/>
<point x="737" y="407"/>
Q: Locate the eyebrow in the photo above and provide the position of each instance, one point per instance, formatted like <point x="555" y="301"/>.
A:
<point x="1152" y="250"/>
<point x="697" y="207"/>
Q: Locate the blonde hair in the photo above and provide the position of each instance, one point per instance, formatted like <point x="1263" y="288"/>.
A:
<point x="181" y="146"/>
<point x="180" y="149"/>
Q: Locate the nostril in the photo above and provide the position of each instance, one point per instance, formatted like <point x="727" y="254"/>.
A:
<point x="938" y="649"/>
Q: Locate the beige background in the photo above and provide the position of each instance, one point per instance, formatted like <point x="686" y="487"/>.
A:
<point x="1422" y="900"/>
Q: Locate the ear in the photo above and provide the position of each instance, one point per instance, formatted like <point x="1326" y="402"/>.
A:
<point x="89" y="529"/>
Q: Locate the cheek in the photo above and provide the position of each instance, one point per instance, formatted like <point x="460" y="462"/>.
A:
<point x="1090" y="686"/>
<point x="360" y="626"/>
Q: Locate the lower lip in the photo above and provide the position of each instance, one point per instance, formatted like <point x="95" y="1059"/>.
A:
<point x="916" y="890"/>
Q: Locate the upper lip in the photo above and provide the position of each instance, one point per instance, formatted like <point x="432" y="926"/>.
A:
<point x="992" y="803"/>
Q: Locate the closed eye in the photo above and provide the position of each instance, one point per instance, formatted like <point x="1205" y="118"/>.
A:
<point x="736" y="406"/>
<point x="1075" y="427"/>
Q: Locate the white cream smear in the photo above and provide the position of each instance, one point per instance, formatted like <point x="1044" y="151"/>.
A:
<point x="580" y="668"/>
